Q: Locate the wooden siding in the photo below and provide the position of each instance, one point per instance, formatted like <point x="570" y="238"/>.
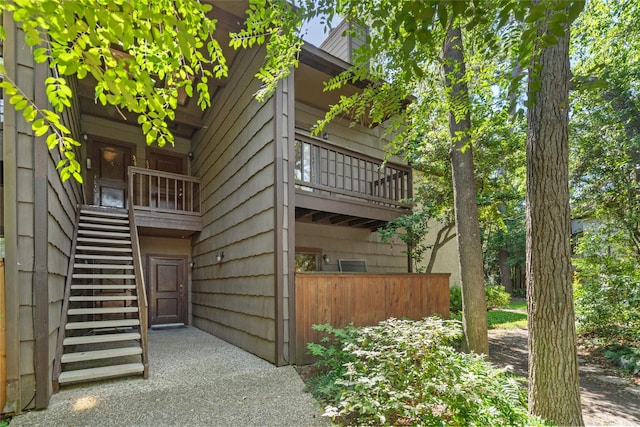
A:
<point x="234" y="156"/>
<point x="353" y="243"/>
<point x="39" y="216"/>
<point x="18" y="210"/>
<point x="337" y="43"/>
<point x="361" y="139"/>
<point x="363" y="299"/>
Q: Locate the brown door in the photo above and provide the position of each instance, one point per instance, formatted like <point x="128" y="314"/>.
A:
<point x="167" y="193"/>
<point x="167" y="290"/>
<point x="110" y="165"/>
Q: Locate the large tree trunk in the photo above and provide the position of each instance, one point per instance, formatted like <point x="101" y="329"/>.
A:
<point x="554" y="392"/>
<point x="474" y="305"/>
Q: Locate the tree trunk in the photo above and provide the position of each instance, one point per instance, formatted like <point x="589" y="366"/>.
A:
<point x="474" y="306"/>
<point x="554" y="392"/>
<point x="505" y="271"/>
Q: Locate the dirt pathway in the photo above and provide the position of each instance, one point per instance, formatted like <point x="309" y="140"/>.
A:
<point x="607" y="398"/>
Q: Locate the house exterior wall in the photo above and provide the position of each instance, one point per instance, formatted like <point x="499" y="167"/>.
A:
<point x="338" y="44"/>
<point x="342" y="45"/>
<point x="353" y="243"/>
<point x="38" y="223"/>
<point x="234" y="156"/>
<point x="364" y="140"/>
<point x="447" y="257"/>
<point x="131" y="134"/>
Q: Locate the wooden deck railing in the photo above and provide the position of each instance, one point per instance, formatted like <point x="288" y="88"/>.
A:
<point x="334" y="171"/>
<point x="363" y="299"/>
<point x="159" y="191"/>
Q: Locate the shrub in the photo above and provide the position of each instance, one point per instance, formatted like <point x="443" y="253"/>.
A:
<point x="496" y="297"/>
<point x="607" y="290"/>
<point x="627" y="357"/>
<point x="405" y="372"/>
<point x="519" y="293"/>
<point x="455" y="299"/>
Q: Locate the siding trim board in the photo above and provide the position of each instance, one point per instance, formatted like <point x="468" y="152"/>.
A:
<point x="291" y="282"/>
<point x="12" y="295"/>
<point x="41" y="239"/>
<point x="279" y="219"/>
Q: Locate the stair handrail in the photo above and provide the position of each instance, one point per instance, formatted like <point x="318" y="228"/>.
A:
<point x="140" y="288"/>
<point x="57" y="363"/>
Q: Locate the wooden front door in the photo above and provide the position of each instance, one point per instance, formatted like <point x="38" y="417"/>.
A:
<point x="110" y="166"/>
<point x="167" y="288"/>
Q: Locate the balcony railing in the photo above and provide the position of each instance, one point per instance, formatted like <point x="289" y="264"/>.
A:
<point x="166" y="192"/>
<point x="340" y="173"/>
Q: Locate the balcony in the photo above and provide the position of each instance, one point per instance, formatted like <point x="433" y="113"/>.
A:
<point x="341" y="187"/>
<point x="165" y="204"/>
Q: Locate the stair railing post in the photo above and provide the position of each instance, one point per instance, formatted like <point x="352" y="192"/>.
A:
<point x="140" y="285"/>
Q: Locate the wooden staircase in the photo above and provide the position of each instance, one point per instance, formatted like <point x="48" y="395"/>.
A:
<point x="103" y="328"/>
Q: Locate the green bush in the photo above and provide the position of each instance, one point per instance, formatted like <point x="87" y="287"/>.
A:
<point x="607" y="290"/>
<point x="496" y="297"/>
<point x="627" y="357"/>
<point x="455" y="299"/>
<point x="405" y="372"/>
<point x="519" y="293"/>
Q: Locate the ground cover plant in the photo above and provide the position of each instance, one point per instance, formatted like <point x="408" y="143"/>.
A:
<point x="404" y="372"/>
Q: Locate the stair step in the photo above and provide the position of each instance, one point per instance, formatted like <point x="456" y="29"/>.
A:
<point x="84" y="225"/>
<point x="104" y="213"/>
<point x="100" y="354"/>
<point x="104" y="257"/>
<point x="105" y="266"/>
<point x="95" y="339"/>
<point x="104" y="276"/>
<point x="103" y="287"/>
<point x="101" y="310"/>
<point x="101" y="249"/>
<point x="111" y="234"/>
<point x="99" y="373"/>
<point x="99" y="220"/>
<point x="89" y="298"/>
<point x="103" y="324"/>
<point x="104" y="241"/>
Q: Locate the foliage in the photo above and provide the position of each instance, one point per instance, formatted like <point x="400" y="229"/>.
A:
<point x="519" y="293"/>
<point x="332" y="360"/>
<point x="408" y="373"/>
<point x="141" y="54"/>
<point x="455" y="299"/>
<point x="496" y="297"/>
<point x="607" y="286"/>
<point x="605" y="125"/>
<point x="625" y="356"/>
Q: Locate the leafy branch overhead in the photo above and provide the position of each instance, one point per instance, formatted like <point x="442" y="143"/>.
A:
<point x="141" y="55"/>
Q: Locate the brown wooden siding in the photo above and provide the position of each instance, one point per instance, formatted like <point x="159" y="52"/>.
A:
<point x="338" y="44"/>
<point x="18" y="188"/>
<point x="363" y="299"/>
<point x="38" y="224"/>
<point x="361" y="139"/>
<point x="234" y="157"/>
<point x="353" y="243"/>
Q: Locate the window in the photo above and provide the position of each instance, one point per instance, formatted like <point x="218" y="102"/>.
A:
<point x="308" y="259"/>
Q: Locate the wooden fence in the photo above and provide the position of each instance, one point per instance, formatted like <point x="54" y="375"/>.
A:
<point x="363" y="299"/>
